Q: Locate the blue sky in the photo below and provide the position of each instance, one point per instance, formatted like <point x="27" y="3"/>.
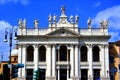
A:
<point x="12" y="10"/>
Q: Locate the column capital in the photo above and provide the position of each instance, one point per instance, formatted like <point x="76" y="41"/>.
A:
<point x="90" y="45"/>
<point x="53" y="60"/>
<point x="106" y="45"/>
<point x="53" y="45"/>
<point x="24" y="45"/>
<point x="76" y="45"/>
<point x="68" y="67"/>
<point x="58" y="67"/>
<point x="29" y="45"/>
<point x="36" y="45"/>
<point x="19" y="45"/>
<point x="102" y="45"/>
<point x="71" y="45"/>
<point x="58" y="47"/>
<point x="48" y="45"/>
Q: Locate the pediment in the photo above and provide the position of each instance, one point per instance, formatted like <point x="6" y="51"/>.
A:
<point x="63" y="32"/>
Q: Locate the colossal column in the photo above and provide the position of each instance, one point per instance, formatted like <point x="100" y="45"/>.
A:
<point x="90" y="58"/>
<point x="102" y="56"/>
<point x="35" y="57"/>
<point x="20" y="59"/>
<point x="48" y="60"/>
<point x="72" y="61"/>
<point x="53" y="63"/>
<point x="24" y="60"/>
<point x="107" y="61"/>
<point x="77" y="63"/>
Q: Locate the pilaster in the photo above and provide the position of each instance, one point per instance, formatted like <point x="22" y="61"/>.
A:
<point x="36" y="31"/>
<point x="53" y="63"/>
<point x="36" y="57"/>
<point x="77" y="63"/>
<point x="72" y="61"/>
<point x="102" y="59"/>
<point x="90" y="57"/>
<point x="79" y="59"/>
<point x="58" y="73"/>
<point x="20" y="59"/>
<point x="106" y="62"/>
<point x="58" y="54"/>
<point x="49" y="61"/>
<point x="24" y="60"/>
<point x="68" y="72"/>
<point x="24" y="31"/>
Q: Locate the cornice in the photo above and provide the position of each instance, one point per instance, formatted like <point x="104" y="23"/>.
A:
<point x="95" y="36"/>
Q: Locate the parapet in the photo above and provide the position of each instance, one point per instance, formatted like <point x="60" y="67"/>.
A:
<point x="55" y="23"/>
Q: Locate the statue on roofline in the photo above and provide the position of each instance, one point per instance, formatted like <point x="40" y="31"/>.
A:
<point x="76" y="18"/>
<point x="63" y="10"/>
<point x="106" y="22"/>
<point x="24" y="23"/>
<point x="71" y="18"/>
<point x="49" y="18"/>
<point x="54" y="18"/>
<point x="36" y="23"/>
<point x="20" y="23"/>
<point x="89" y="22"/>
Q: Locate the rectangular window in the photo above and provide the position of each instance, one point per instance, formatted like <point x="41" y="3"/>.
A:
<point x="111" y="59"/>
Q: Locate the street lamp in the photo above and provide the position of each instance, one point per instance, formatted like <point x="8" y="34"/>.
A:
<point x="10" y="31"/>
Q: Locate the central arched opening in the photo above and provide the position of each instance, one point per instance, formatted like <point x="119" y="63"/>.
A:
<point x="63" y="53"/>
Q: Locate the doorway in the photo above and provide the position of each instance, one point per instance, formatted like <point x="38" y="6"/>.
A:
<point x="96" y="74"/>
<point x="41" y="74"/>
<point x="29" y="74"/>
<point x="63" y="74"/>
<point x="84" y="74"/>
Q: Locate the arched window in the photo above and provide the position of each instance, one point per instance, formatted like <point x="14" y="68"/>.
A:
<point x="83" y="56"/>
<point x="63" y="53"/>
<point x="30" y="53"/>
<point x="96" y="55"/>
<point x="42" y="53"/>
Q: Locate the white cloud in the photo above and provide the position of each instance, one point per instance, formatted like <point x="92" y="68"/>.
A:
<point x="97" y="4"/>
<point x="114" y="36"/>
<point x="113" y="15"/>
<point x="23" y="2"/>
<point x="4" y="46"/>
<point x="4" y="24"/>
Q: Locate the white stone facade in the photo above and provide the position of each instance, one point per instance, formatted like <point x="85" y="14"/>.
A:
<point x="60" y="50"/>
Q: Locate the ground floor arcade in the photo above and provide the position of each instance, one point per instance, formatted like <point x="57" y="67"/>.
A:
<point x="64" y="74"/>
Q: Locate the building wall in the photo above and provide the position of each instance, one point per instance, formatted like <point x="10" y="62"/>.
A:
<point x="114" y="51"/>
<point x="13" y="61"/>
<point x="63" y="32"/>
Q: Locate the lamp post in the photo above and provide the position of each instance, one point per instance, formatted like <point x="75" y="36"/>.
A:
<point x="10" y="31"/>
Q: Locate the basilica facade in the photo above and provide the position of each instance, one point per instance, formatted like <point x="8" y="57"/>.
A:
<point x="63" y="51"/>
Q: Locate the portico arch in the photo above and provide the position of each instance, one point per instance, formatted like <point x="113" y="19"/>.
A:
<point x="96" y="54"/>
<point x="83" y="52"/>
<point x="63" y="53"/>
<point x="42" y="53"/>
<point x="30" y="53"/>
